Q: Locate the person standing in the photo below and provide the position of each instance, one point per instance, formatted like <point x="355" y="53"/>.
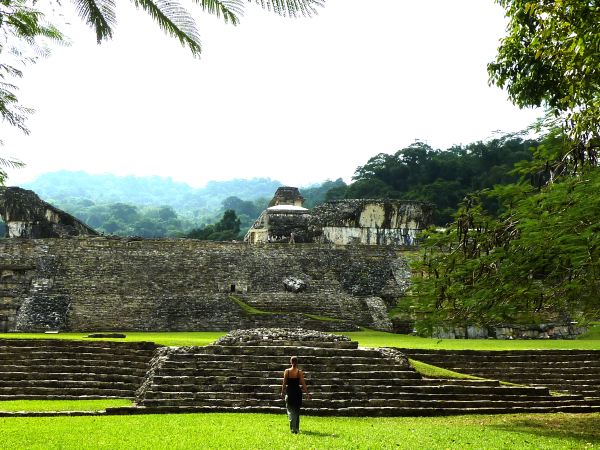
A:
<point x="291" y="389"/>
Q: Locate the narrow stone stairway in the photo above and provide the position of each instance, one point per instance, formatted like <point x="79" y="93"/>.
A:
<point x="243" y="373"/>
<point x="65" y="369"/>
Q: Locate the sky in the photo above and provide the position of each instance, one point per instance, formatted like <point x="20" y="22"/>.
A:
<point x="296" y="100"/>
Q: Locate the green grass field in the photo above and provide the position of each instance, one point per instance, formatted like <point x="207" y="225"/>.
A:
<point x="170" y="338"/>
<point x="261" y="431"/>
<point x="62" y="405"/>
<point x="365" y="338"/>
<point x="249" y="431"/>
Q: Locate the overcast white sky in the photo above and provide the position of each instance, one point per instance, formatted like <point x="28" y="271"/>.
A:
<point x="296" y="100"/>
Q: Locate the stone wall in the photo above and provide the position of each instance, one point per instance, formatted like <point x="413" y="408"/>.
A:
<point x="370" y="222"/>
<point x="101" y="283"/>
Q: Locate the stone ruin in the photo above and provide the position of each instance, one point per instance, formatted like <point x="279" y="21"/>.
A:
<point x="28" y="216"/>
<point x="340" y="222"/>
<point x="286" y="337"/>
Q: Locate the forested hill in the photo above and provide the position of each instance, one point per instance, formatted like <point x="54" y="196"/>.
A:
<point x="66" y="187"/>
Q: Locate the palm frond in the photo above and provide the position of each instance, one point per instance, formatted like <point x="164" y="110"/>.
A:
<point x="10" y="110"/>
<point x="291" y="8"/>
<point x="99" y="14"/>
<point x="231" y="10"/>
<point x="174" y="20"/>
<point x="11" y="162"/>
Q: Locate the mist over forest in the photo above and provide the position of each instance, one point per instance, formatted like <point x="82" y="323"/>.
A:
<point x="161" y="207"/>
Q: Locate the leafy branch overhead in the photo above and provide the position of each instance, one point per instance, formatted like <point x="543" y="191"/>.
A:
<point x="539" y="259"/>
<point x="24" y="32"/>
<point x="175" y="20"/>
<point x="551" y="57"/>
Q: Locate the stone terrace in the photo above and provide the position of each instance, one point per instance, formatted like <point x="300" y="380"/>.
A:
<point x="568" y="371"/>
<point x="243" y="370"/>
<point x="243" y="373"/>
<point x="63" y="369"/>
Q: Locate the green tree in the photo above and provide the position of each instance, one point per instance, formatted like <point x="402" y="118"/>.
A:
<point x="551" y="57"/>
<point x="444" y="178"/>
<point x="227" y="229"/>
<point x="540" y="259"/>
<point x="538" y="262"/>
<point x="23" y="39"/>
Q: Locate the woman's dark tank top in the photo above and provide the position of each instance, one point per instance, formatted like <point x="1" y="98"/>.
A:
<point x="294" y="393"/>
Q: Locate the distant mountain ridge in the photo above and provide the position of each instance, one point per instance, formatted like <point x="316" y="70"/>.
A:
<point x="66" y="186"/>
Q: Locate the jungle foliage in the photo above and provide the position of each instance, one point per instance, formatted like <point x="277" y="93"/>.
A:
<point x="151" y="206"/>
<point x="539" y="260"/>
<point x="444" y="178"/>
<point x="227" y="229"/>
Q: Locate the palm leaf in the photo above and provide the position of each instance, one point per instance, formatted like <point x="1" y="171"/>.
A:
<point x="231" y="10"/>
<point x="291" y="8"/>
<point x="173" y="19"/>
<point x="11" y="162"/>
<point x="99" y="14"/>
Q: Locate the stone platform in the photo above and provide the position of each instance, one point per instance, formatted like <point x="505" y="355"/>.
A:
<point x="242" y="372"/>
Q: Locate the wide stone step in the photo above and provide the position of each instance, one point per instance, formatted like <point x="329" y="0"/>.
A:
<point x="342" y="385"/>
<point x="240" y="381"/>
<point x="74" y="356"/>
<point x="67" y="343"/>
<point x="46" y="392"/>
<point x="336" y="404"/>
<point x="119" y="367"/>
<point x="321" y="376"/>
<point x="59" y="395"/>
<point x="7" y="385"/>
<point x="567" y="386"/>
<point x="359" y="389"/>
<point x="501" y="353"/>
<point x="276" y="360"/>
<point x="459" y="381"/>
<point x="502" y="364"/>
<point x="509" y="359"/>
<point x="358" y="411"/>
<point x="170" y="368"/>
<point x="273" y="394"/>
<point x="280" y="367"/>
<point x="494" y="370"/>
<point x="84" y="376"/>
<point x="286" y="351"/>
<point x="552" y="380"/>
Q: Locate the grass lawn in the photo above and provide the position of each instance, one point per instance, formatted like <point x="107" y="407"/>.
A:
<point x="365" y="338"/>
<point x="170" y="338"/>
<point x="62" y="405"/>
<point x="370" y="338"/>
<point x="262" y="431"/>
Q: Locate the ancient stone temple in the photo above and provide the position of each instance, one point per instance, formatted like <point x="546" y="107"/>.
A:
<point x="28" y="216"/>
<point x="340" y="222"/>
<point x="95" y="283"/>
<point x="285" y="220"/>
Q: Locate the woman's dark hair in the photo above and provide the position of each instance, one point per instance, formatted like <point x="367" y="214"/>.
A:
<point x="294" y="361"/>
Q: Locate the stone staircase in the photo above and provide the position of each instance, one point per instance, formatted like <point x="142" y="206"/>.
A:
<point x="567" y="371"/>
<point x="63" y="369"/>
<point x="343" y="380"/>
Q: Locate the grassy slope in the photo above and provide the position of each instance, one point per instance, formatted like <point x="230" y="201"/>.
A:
<point x="259" y="431"/>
